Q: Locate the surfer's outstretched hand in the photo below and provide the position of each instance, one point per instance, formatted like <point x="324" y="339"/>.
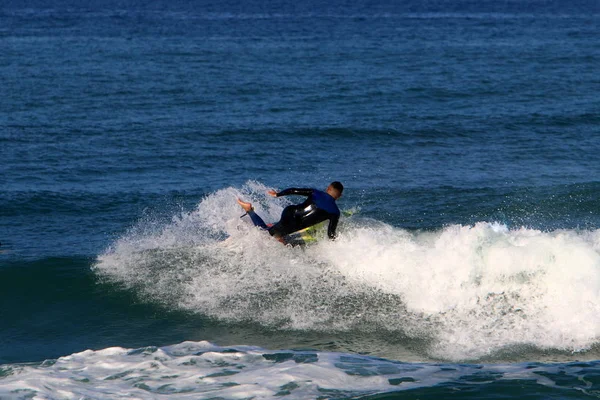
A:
<point x="272" y="193"/>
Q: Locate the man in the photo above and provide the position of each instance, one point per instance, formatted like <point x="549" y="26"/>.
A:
<point x="318" y="207"/>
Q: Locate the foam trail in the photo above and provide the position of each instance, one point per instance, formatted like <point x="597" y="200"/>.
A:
<point x="469" y="291"/>
<point x="201" y="370"/>
<point x="486" y="286"/>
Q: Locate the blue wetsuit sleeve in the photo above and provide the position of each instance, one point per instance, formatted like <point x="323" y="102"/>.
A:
<point x="296" y="191"/>
<point x="333" y="221"/>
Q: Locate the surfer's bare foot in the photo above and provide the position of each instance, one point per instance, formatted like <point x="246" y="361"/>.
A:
<point x="245" y="205"/>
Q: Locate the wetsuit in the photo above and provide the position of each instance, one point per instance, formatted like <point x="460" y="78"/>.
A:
<point x="318" y="207"/>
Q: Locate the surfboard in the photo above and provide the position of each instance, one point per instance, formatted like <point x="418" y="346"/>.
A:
<point x="312" y="234"/>
<point x="307" y="235"/>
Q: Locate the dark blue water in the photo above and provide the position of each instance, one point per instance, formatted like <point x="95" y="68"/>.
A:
<point x="119" y="118"/>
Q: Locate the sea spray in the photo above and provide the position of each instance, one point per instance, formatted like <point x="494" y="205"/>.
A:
<point x="468" y="291"/>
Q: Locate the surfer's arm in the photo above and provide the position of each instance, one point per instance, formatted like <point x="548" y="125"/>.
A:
<point x="292" y="191"/>
<point x="333" y="221"/>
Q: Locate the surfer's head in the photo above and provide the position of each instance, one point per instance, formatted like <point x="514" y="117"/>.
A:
<point x="335" y="189"/>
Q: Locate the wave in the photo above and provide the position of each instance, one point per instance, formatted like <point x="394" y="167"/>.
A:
<point x="192" y="369"/>
<point x="283" y="10"/>
<point x="467" y="291"/>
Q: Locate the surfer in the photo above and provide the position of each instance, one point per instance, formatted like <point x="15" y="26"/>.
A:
<point x="318" y="207"/>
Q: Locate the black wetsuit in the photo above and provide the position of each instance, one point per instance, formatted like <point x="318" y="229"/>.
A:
<point x="318" y="207"/>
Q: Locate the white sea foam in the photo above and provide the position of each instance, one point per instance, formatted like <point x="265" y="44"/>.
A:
<point x="198" y="370"/>
<point x="470" y="290"/>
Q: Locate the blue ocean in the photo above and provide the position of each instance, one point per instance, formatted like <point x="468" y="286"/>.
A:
<point x="466" y="134"/>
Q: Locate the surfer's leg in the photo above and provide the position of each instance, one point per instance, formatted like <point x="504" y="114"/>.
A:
<point x="256" y="219"/>
<point x="285" y="224"/>
<point x="277" y="230"/>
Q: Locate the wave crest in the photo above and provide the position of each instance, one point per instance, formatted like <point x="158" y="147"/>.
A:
<point x="468" y="291"/>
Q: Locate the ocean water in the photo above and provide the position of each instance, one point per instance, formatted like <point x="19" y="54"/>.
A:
<point x="466" y="134"/>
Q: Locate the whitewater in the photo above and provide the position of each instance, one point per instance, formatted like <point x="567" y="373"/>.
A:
<point x="461" y="305"/>
<point x="460" y="292"/>
<point x="202" y="370"/>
